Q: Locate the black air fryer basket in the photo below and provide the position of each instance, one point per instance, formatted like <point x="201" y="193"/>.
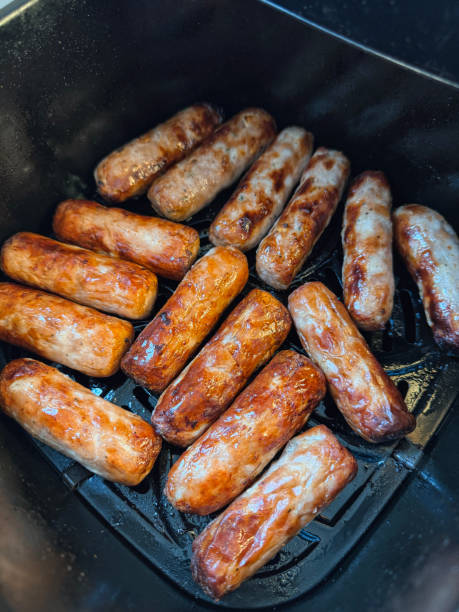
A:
<point x="81" y="78"/>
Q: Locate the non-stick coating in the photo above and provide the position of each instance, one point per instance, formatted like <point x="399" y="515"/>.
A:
<point x="82" y="78"/>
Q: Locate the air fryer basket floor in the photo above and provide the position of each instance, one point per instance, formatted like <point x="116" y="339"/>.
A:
<point x="143" y="516"/>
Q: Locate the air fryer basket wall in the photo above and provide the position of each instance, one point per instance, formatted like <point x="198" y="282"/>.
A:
<point x="87" y="79"/>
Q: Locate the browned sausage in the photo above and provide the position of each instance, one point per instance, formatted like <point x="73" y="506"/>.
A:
<point x="248" y="338"/>
<point x="106" y="439"/>
<point x="263" y="191"/>
<point x="130" y="170"/>
<point x="164" y="247"/>
<point x="166" y="344"/>
<point x="430" y="249"/>
<point x="282" y="253"/>
<point x="365" y="395"/>
<point x="217" y="162"/>
<point x="234" y="450"/>
<point x="120" y="287"/>
<point x="76" y="336"/>
<point x="310" y="473"/>
<point x="368" y="277"/>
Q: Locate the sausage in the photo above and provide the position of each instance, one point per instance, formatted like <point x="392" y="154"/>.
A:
<point x="76" y="336"/>
<point x="247" y="339"/>
<point x="130" y="170"/>
<point x="310" y="473"/>
<point x="282" y="253"/>
<point x="165" y="345"/>
<point x="262" y="193"/>
<point x="236" y="448"/>
<point x="120" y="287"/>
<point x="105" y="438"/>
<point x="429" y="247"/>
<point x="215" y="164"/>
<point x="368" y="277"/>
<point x="363" y="392"/>
<point x="166" y="248"/>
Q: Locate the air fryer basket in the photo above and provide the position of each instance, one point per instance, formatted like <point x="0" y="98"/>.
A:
<point x="163" y="535"/>
<point x="234" y="54"/>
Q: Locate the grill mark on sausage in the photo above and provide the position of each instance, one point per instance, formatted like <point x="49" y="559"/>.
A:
<point x="356" y="278"/>
<point x="318" y="210"/>
<point x="352" y="213"/>
<point x="278" y="177"/>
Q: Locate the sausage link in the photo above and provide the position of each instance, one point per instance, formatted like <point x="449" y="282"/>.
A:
<point x="365" y="395"/>
<point x="217" y="162"/>
<point x="119" y="287"/>
<point x="165" y="345"/>
<point x="164" y="247"/>
<point x="310" y="473"/>
<point x="76" y="336"/>
<point x="282" y="253"/>
<point x="105" y="438"/>
<point x="247" y="339"/>
<point x="430" y="249"/>
<point x="233" y="451"/>
<point x="262" y="193"/>
<point x="368" y="277"/>
<point x="130" y="170"/>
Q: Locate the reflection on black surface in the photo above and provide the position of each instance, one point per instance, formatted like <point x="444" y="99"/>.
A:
<point x="434" y="586"/>
<point x="25" y="551"/>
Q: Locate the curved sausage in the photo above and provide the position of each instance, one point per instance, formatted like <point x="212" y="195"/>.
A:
<point x="234" y="450"/>
<point x="310" y="473"/>
<point x="282" y="253"/>
<point x="105" y="438"/>
<point x="165" y="345"/>
<point x="430" y="249"/>
<point x="248" y="338"/>
<point x="263" y="191"/>
<point x="215" y="164"/>
<point x="166" y="248"/>
<point x="363" y="392"/>
<point x="76" y="336"/>
<point x="368" y="277"/>
<point x="120" y="287"/>
<point x="130" y="170"/>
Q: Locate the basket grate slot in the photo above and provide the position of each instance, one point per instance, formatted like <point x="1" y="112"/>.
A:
<point x="411" y="334"/>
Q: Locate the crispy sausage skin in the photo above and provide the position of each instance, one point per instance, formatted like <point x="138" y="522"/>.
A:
<point x="368" y="277"/>
<point x="430" y="249"/>
<point x="166" y="248"/>
<point x="236" y="448"/>
<point x="310" y="473"/>
<point x="263" y="191"/>
<point x="130" y="170"/>
<point x="165" y="345"/>
<point x="247" y="339"/>
<point x="365" y="395"/>
<point x="119" y="287"/>
<point x="215" y="164"/>
<point x="105" y="438"/>
<point x="76" y="336"/>
<point x="282" y="253"/>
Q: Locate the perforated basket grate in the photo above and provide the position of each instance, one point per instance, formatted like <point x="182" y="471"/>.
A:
<point x="142" y="515"/>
